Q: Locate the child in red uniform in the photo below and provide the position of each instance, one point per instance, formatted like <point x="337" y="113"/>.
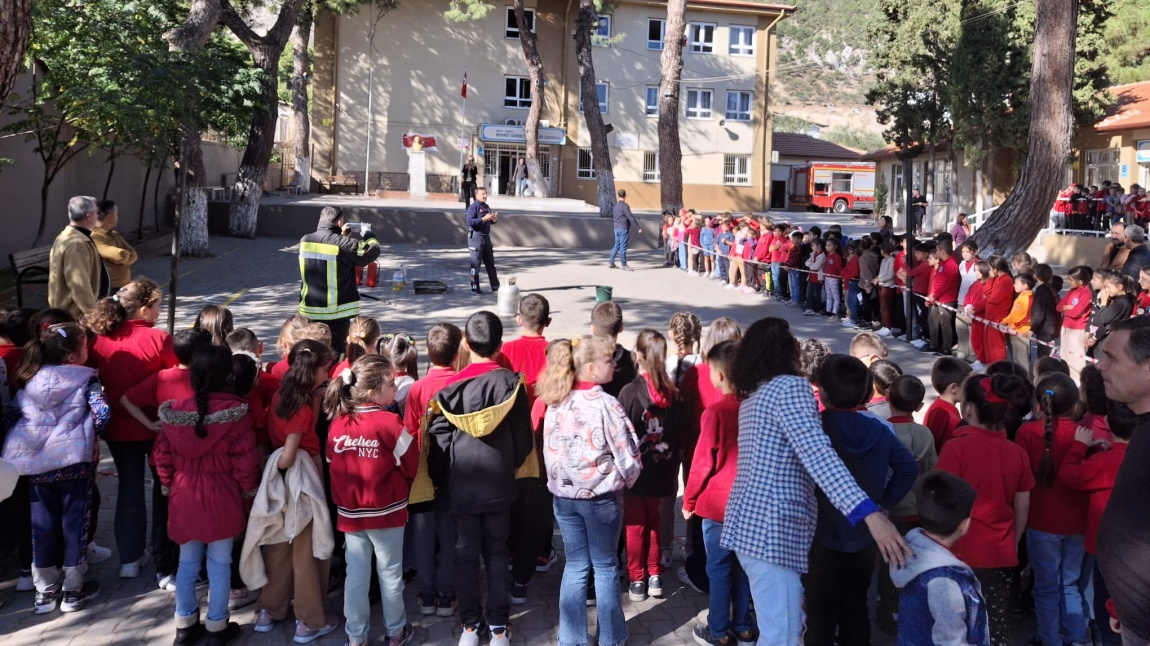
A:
<point x="999" y="298"/>
<point x="920" y="278"/>
<point x="1057" y="522"/>
<point x="292" y="327"/>
<point x="528" y="353"/>
<point x="999" y="471"/>
<point x="943" y="298"/>
<point x="127" y="350"/>
<point x="833" y="278"/>
<point x="815" y="266"/>
<point x="975" y="306"/>
<point x="217" y="320"/>
<point x="244" y="341"/>
<point x="693" y="228"/>
<point x="650" y="403"/>
<point x="750" y="272"/>
<point x="292" y="570"/>
<point x="1095" y="475"/>
<point x="12" y="328"/>
<point x="942" y="417"/>
<point x="362" y="339"/>
<point x="712" y="472"/>
<point x="430" y="517"/>
<point x="373" y="462"/>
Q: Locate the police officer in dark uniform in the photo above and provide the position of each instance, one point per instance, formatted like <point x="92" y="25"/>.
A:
<point x="480" y="217"/>
<point x="468" y="175"/>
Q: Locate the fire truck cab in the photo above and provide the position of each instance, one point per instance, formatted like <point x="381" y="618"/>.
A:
<point x="841" y="187"/>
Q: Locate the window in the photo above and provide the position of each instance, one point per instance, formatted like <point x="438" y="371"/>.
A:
<point x="602" y="37"/>
<point x="656" y="31"/>
<point x="841" y="182"/>
<point x="737" y="170"/>
<point x="742" y="41"/>
<point x="701" y="37"/>
<point x="650" y="166"/>
<point x="942" y="181"/>
<point x="601" y="90"/>
<point x="516" y="92"/>
<point x="738" y="105"/>
<point x="652" y="101"/>
<point x="699" y="104"/>
<point x="1101" y="165"/>
<point x="897" y="188"/>
<point x="511" y="29"/>
<point x="585" y="165"/>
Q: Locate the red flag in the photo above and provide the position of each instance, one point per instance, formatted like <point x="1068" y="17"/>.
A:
<point x="463" y="92"/>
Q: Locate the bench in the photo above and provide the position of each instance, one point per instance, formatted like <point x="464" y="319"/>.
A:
<point x="340" y="183"/>
<point x="29" y="267"/>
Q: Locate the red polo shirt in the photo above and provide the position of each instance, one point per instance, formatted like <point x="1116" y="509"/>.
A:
<point x="942" y="418"/>
<point x="165" y="385"/>
<point x="124" y="358"/>
<point x="1075" y="308"/>
<point x="302" y="422"/>
<point x="944" y="287"/>
<point x="997" y="469"/>
<point x="1054" y="508"/>
<point x="833" y="268"/>
<point x="528" y="355"/>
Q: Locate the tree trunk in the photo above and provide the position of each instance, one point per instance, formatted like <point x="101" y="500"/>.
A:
<point x="670" y="149"/>
<point x="111" y="172"/>
<point x="527" y="38"/>
<point x="979" y="179"/>
<point x="1014" y="225"/>
<point x="301" y="75"/>
<point x="928" y="179"/>
<point x="15" y="30"/>
<point x="265" y="51"/>
<point x="907" y="190"/>
<point x="191" y="36"/>
<point x="584" y="27"/>
<point x="143" y="201"/>
<point x="156" y="192"/>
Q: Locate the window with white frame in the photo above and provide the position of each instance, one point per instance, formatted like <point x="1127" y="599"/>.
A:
<point x="652" y="107"/>
<point x="897" y="188"/>
<point x="511" y="28"/>
<point x="601" y="90"/>
<point x="737" y="170"/>
<point x="742" y="41"/>
<point x="516" y="92"/>
<point x="602" y="36"/>
<point x="585" y="165"/>
<point x="943" y="174"/>
<point x="699" y="103"/>
<point x="656" y="31"/>
<point x="738" y="105"/>
<point x="650" y="166"/>
<point x="1102" y="165"/>
<point x="701" y="37"/>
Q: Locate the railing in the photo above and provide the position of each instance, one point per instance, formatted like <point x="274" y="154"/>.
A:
<point x="443" y="184"/>
<point x="975" y="219"/>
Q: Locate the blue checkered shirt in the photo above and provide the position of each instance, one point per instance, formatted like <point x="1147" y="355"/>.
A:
<point x="783" y="454"/>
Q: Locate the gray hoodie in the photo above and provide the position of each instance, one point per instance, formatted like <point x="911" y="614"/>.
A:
<point x="941" y="602"/>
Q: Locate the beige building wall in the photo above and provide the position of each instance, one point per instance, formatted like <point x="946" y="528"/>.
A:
<point x="419" y="60"/>
<point x="1125" y="142"/>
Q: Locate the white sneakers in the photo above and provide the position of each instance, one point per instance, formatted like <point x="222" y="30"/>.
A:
<point x="978" y="366"/>
<point x="97" y="554"/>
<point x="918" y="343"/>
<point x="132" y="570"/>
<point x="883" y="331"/>
<point x="166" y="582"/>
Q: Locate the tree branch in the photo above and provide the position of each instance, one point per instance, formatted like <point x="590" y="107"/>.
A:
<point x="231" y="19"/>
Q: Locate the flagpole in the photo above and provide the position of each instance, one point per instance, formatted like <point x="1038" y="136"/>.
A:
<point x="463" y="123"/>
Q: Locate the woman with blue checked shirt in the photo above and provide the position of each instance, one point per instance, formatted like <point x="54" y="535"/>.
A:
<point x="783" y="455"/>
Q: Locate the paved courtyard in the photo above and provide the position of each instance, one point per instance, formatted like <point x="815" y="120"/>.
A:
<point x="259" y="279"/>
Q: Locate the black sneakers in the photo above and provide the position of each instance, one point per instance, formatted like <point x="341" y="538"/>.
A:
<point x="75" y="600"/>
<point x="224" y="637"/>
<point x="518" y="594"/>
<point x="655" y="586"/>
<point x="190" y="636"/>
<point x="46" y="601"/>
<point x="637" y="591"/>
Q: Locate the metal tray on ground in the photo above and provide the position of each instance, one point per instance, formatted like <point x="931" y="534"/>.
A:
<point x="421" y="286"/>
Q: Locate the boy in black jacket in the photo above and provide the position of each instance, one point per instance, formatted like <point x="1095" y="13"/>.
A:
<point x="482" y="434"/>
<point x="1045" y="321"/>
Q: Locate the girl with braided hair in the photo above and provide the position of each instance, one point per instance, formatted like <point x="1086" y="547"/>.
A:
<point x="1055" y="536"/>
<point x="207" y="462"/>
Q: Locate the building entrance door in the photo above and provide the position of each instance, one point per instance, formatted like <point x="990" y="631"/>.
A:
<point x="778" y="194"/>
<point x="499" y="161"/>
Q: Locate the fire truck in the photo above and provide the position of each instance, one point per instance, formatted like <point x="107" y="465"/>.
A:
<point x="841" y="187"/>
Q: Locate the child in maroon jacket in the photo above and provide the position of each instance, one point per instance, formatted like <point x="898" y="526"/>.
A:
<point x="712" y="472"/>
<point x="373" y="463"/>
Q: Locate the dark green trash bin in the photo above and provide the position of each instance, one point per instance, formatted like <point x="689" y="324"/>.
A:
<point x="602" y="293"/>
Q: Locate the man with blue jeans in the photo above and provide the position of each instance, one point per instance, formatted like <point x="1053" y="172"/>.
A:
<point x="623" y="219"/>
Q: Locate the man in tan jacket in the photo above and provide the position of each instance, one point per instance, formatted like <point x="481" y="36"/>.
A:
<point x="76" y="276"/>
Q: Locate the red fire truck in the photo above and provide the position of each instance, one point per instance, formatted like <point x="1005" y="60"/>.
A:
<point x="841" y="187"/>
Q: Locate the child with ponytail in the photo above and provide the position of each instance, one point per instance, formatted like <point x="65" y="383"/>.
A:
<point x="292" y="569"/>
<point x="217" y="320"/>
<point x="648" y="401"/>
<point x="591" y="455"/>
<point x="53" y="427"/>
<point x="362" y="339"/>
<point x="404" y="356"/>
<point x="128" y="349"/>
<point x="207" y="462"/>
<point x="999" y="470"/>
<point x="1056" y="528"/>
<point x="373" y="463"/>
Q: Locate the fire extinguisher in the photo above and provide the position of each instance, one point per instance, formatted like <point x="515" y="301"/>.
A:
<point x="373" y="274"/>
<point x="358" y="276"/>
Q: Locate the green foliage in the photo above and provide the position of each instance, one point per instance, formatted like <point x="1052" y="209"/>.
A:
<point x="465" y="10"/>
<point x="881" y="191"/>
<point x="854" y="138"/>
<point x="797" y="125"/>
<point x="1125" y="51"/>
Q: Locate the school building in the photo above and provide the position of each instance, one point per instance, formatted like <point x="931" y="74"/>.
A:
<point x="1117" y="148"/>
<point x="377" y="81"/>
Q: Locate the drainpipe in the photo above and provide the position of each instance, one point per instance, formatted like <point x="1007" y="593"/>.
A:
<point x="764" y="177"/>
<point x="564" y="66"/>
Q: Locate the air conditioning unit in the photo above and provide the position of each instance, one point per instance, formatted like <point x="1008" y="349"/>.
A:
<point x="512" y="122"/>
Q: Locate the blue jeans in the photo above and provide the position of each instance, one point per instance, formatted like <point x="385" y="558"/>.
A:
<point x="219" y="578"/>
<point x="723" y="269"/>
<point x="794" y="279"/>
<point x="776" y="278"/>
<point x="729" y="585"/>
<point x="387" y="546"/>
<point x="1057" y="563"/>
<point x="622" y="237"/>
<point x="683" y="256"/>
<point x="520" y="189"/>
<point x="778" y="595"/>
<point x="590" y="531"/>
<point x="853" y="299"/>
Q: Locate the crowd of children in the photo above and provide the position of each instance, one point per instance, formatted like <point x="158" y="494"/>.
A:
<point x="958" y="304"/>
<point x="277" y="483"/>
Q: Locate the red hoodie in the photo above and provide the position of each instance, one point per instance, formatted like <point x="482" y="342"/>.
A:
<point x="713" y="466"/>
<point x="1054" y="508"/>
<point x="373" y="462"/>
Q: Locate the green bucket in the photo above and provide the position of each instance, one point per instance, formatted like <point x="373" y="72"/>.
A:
<point x="602" y="293"/>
